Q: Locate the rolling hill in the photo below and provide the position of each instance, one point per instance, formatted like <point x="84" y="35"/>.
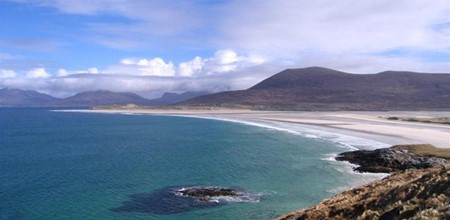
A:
<point x="25" y="98"/>
<point x="317" y="88"/>
<point x="101" y="97"/>
<point x="172" y="98"/>
<point x="29" y="98"/>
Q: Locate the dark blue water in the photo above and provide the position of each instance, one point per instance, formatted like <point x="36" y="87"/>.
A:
<point x="67" y="165"/>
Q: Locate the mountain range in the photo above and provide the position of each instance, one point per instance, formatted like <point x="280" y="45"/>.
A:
<point x="317" y="88"/>
<point x="313" y="88"/>
<point x="28" y="98"/>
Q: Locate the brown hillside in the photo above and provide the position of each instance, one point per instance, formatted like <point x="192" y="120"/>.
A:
<point x="317" y="88"/>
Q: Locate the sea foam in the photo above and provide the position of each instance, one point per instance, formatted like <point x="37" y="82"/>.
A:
<point x="315" y="132"/>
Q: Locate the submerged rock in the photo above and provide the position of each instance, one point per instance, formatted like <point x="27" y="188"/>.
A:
<point x="163" y="201"/>
<point x="173" y="200"/>
<point x="206" y="193"/>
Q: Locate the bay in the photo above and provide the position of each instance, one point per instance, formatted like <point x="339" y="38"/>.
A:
<point x="68" y="165"/>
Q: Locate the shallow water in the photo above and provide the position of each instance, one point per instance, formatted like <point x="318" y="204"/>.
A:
<point x="68" y="165"/>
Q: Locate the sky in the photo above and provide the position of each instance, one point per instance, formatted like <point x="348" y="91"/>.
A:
<point x="62" y="47"/>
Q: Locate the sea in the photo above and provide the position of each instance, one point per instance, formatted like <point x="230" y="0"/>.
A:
<point x="74" y="165"/>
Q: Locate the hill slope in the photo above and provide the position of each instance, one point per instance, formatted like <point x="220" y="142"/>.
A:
<point x="25" y="98"/>
<point x="102" y="97"/>
<point x="418" y="188"/>
<point x="172" y="98"/>
<point x="411" y="194"/>
<point x="28" y="98"/>
<point x="317" y="88"/>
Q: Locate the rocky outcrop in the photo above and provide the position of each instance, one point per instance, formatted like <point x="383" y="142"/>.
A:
<point x="411" y="194"/>
<point x="419" y="188"/>
<point x="174" y="200"/>
<point x="206" y="193"/>
<point x="387" y="160"/>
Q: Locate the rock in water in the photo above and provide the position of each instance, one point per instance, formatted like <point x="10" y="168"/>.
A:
<point x="206" y="193"/>
<point x="387" y="160"/>
<point x="173" y="200"/>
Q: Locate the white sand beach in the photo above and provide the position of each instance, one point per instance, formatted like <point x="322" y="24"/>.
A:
<point x="365" y="125"/>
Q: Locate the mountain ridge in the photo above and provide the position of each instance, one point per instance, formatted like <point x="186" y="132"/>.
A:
<point x="103" y="97"/>
<point x="317" y="88"/>
<point x="10" y="97"/>
<point x="172" y="98"/>
<point x="307" y="89"/>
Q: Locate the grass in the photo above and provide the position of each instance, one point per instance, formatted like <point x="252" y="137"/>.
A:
<point x="439" y="120"/>
<point x="426" y="150"/>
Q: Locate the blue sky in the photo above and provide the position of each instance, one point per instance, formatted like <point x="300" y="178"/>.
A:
<point x="62" y="47"/>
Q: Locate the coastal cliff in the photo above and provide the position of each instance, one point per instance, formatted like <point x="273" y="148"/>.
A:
<point x="411" y="193"/>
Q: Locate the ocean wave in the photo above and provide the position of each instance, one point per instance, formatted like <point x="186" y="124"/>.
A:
<point x="344" y="141"/>
<point x="341" y="139"/>
<point x="314" y="132"/>
<point x="330" y="157"/>
<point x="245" y="122"/>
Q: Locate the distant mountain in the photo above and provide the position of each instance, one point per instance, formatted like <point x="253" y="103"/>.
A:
<point x="313" y="88"/>
<point x="101" y="97"/>
<point x="25" y="98"/>
<point x="317" y="88"/>
<point x="28" y="98"/>
<point x="172" y="98"/>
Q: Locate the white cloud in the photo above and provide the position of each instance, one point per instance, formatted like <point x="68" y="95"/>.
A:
<point x="62" y="73"/>
<point x="93" y="70"/>
<point x="228" y="60"/>
<point x="225" y="57"/>
<point x="37" y="73"/>
<point x="279" y="31"/>
<point x="223" y="61"/>
<point x="191" y="68"/>
<point x="143" y="67"/>
<point x="4" y="74"/>
<point x="226" y="70"/>
<point x="289" y="29"/>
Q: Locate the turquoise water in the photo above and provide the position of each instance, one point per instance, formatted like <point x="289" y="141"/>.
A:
<point x="67" y="165"/>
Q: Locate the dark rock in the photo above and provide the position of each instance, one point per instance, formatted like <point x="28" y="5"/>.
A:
<point x="392" y="118"/>
<point x="387" y="160"/>
<point x="391" y="215"/>
<point x="162" y="202"/>
<point x="173" y="200"/>
<point x="410" y="194"/>
<point x="205" y="193"/>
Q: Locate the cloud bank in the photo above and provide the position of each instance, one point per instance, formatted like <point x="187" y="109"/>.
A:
<point x="263" y="37"/>
<point x="226" y="70"/>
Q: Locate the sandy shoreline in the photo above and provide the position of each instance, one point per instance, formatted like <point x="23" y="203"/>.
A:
<point x="364" y="125"/>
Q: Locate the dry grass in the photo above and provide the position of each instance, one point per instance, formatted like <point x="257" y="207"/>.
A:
<point x="438" y="120"/>
<point x="426" y="150"/>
